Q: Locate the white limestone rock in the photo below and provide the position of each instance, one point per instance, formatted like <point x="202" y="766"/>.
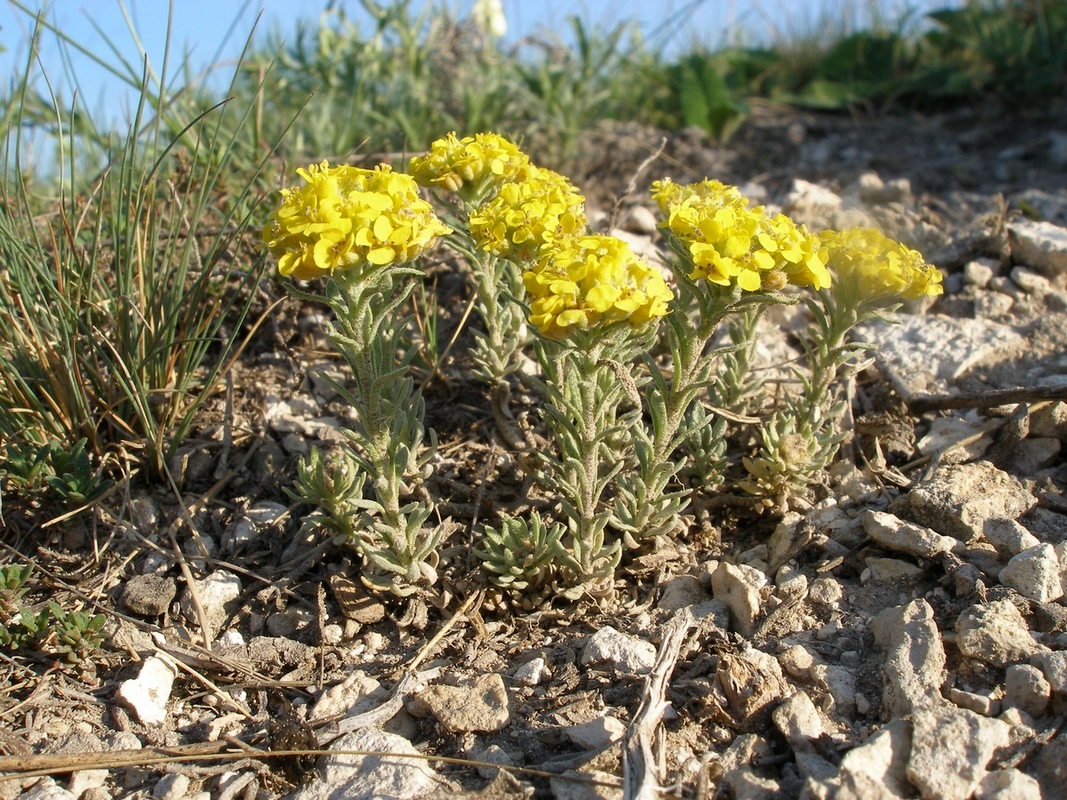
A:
<point x="478" y="705"/>
<point x="629" y="655"/>
<point x="957" y="500"/>
<point x="950" y="748"/>
<point x="1035" y="574"/>
<point x="1054" y="667"/>
<point x="217" y="592"/>
<point x="915" y="663"/>
<point x="929" y="353"/>
<point x="996" y="634"/>
<point x="946" y="432"/>
<point x="1040" y="245"/>
<point x="738" y="587"/>
<point x="1008" y="536"/>
<point x="597" y="733"/>
<point x="371" y="776"/>
<point x="148" y="693"/>
<point x="799" y="721"/>
<point x="1008" y="784"/>
<point x="1027" y="689"/>
<point x="883" y="757"/>
<point x="893" y="533"/>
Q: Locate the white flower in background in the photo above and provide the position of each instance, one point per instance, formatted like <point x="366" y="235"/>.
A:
<point x="488" y="15"/>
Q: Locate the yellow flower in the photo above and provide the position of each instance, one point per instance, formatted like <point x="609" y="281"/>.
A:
<point x="728" y="242"/>
<point x="800" y="255"/>
<point x="345" y="217"/>
<point x="471" y="166"/>
<point x="588" y="280"/>
<point x="871" y="268"/>
<point x="538" y="209"/>
<point x="669" y="194"/>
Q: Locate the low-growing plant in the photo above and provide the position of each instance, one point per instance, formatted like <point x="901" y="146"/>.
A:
<point x="1014" y="50"/>
<point x="707" y="92"/>
<point x="624" y="425"/>
<point x="25" y="629"/>
<point x="396" y="81"/>
<point x="72" y="477"/>
<point x="77" y="634"/>
<point x="66" y="475"/>
<point x="13" y="579"/>
<point x="24" y="467"/>
<point x="520" y="556"/>
<point x="359" y="230"/>
<point x="1010" y="50"/>
<point x="568" y="89"/>
<point x="73" y="634"/>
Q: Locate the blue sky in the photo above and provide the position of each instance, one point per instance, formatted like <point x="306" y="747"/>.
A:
<point x="200" y="27"/>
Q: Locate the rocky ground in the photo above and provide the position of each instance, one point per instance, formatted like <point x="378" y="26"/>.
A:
<point x="904" y="637"/>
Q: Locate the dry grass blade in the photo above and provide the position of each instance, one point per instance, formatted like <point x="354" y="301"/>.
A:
<point x="21" y="767"/>
<point x="18" y="767"/>
<point x="436" y="368"/>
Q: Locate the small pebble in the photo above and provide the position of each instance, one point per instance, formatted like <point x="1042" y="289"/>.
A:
<point x="172" y="786"/>
<point x="530" y="673"/>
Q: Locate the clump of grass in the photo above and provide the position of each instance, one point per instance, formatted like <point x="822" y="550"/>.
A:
<point x="1012" y="50"/>
<point x="121" y="305"/>
<point x="395" y="84"/>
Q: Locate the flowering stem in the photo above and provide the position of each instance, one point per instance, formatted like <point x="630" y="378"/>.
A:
<point x="644" y="507"/>
<point x="584" y="394"/>
<point x="828" y="352"/>
<point x="497" y="282"/>
<point x="734" y="384"/>
<point x="801" y="440"/>
<point x="689" y="335"/>
<point x="388" y="433"/>
<point x="496" y="353"/>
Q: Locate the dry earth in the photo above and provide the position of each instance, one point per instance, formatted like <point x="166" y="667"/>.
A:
<point x="904" y="637"/>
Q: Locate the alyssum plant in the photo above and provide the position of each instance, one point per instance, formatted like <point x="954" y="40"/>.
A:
<point x="361" y="230"/>
<point x="643" y="373"/>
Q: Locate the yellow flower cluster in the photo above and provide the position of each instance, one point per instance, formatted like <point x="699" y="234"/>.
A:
<point x="728" y="242"/>
<point x="669" y="194"/>
<point x="538" y="209"/>
<point x="347" y="217"/>
<point x="470" y="166"/>
<point x="587" y="280"/>
<point x="870" y="267"/>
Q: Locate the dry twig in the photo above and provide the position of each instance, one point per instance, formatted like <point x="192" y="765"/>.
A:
<point x="921" y="403"/>
<point x="640" y="781"/>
